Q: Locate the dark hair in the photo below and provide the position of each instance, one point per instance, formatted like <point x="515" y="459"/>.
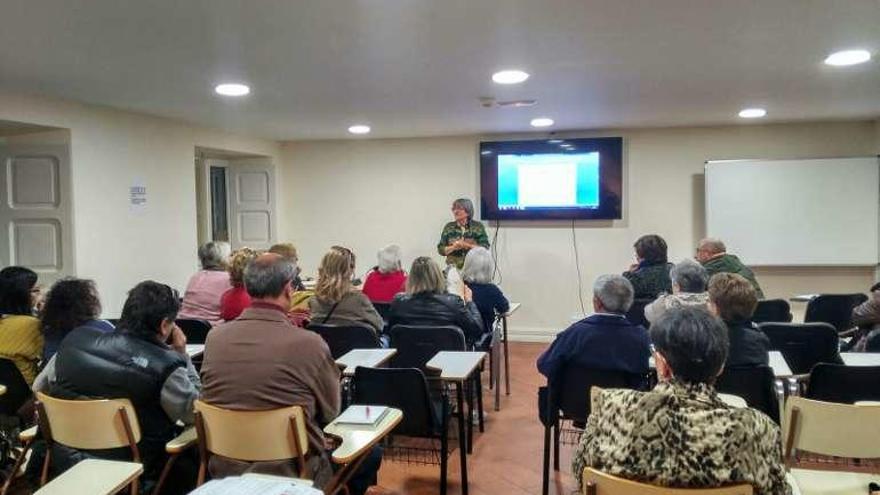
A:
<point x="147" y="305"/>
<point x="16" y="283"/>
<point x="267" y="274"/>
<point x="651" y="249"/>
<point x="693" y="342"/>
<point x="734" y="297"/>
<point x="70" y="303"/>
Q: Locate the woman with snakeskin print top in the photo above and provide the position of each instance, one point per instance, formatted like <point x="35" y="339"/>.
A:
<point x="681" y="434"/>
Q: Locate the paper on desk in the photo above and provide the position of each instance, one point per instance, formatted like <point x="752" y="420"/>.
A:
<point x="253" y="486"/>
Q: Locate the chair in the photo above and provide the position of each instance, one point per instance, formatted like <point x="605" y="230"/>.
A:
<point x="636" y="313"/>
<point x="757" y="385"/>
<point x="17" y="390"/>
<point x="343" y="338"/>
<point x="803" y="345"/>
<point x="772" y="311"/>
<point x="417" y="344"/>
<point x="567" y="397"/>
<point x="196" y="331"/>
<point x="383" y="308"/>
<point x="407" y="389"/>
<point x="599" y="483"/>
<point x="844" y="384"/>
<point x="834" y="309"/>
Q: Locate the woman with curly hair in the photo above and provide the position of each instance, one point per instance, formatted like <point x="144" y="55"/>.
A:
<point x="71" y="303"/>
<point x="236" y="299"/>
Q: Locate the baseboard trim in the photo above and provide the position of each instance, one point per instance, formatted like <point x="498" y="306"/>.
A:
<point x="531" y="334"/>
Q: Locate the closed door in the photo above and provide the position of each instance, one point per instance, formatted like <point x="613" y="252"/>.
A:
<point x="251" y="189"/>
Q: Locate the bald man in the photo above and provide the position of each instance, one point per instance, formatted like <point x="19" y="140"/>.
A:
<point x="713" y="255"/>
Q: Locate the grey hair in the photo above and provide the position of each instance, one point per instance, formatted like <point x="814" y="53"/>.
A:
<point x="389" y="259"/>
<point x="267" y="275"/>
<point x="478" y="266"/>
<point x="690" y="276"/>
<point x="214" y="255"/>
<point x="693" y="342"/>
<point x="712" y="245"/>
<point x="466" y="205"/>
<point x="614" y="292"/>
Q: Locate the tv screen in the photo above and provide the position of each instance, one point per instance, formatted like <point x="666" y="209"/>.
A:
<point x="551" y="179"/>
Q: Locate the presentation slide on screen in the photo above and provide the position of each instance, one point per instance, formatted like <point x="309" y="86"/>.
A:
<point x="553" y="180"/>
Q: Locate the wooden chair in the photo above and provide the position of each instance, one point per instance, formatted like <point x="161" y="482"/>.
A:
<point x="252" y="436"/>
<point x="599" y="483"/>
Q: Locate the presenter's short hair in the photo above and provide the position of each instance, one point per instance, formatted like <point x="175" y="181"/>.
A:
<point x="478" y="266"/>
<point x="389" y="259"/>
<point x="651" y="248"/>
<point x="690" y="276"/>
<point x="614" y="292"/>
<point x="466" y="205"/>
<point x="425" y="276"/>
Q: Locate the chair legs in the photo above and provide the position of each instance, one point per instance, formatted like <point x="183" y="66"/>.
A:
<point x="444" y="451"/>
<point x="165" y="470"/>
<point x="480" y="414"/>
<point x="545" y="481"/>
<point x="556" y="434"/>
<point x="15" y="468"/>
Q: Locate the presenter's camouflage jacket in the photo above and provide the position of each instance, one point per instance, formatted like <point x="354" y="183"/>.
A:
<point x="474" y="230"/>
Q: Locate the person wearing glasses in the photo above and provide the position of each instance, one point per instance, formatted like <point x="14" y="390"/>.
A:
<point x="21" y="340"/>
<point x="462" y="234"/>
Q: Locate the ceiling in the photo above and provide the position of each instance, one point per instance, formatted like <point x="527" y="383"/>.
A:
<point x="418" y="67"/>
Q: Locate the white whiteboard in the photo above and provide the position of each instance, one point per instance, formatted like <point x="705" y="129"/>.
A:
<point x="796" y="212"/>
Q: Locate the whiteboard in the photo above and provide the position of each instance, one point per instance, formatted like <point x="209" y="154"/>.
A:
<point x="796" y="212"/>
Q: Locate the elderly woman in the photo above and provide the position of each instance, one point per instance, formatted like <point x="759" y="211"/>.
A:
<point x="477" y="274"/>
<point x="650" y="275"/>
<point x="20" y="338"/>
<point x="387" y="279"/>
<point x="427" y="302"/>
<point x="734" y="299"/>
<point x="288" y="251"/>
<point x="336" y="302"/>
<point x="201" y="299"/>
<point x="689" y="281"/>
<point x="680" y="434"/>
<point x="235" y="300"/>
<point x="462" y="234"/>
<point x="70" y="304"/>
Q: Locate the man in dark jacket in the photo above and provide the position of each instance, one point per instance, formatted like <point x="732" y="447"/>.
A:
<point x="712" y="254"/>
<point x="733" y="299"/>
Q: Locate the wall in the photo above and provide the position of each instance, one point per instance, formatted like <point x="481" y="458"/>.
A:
<point x="110" y="150"/>
<point x="367" y="193"/>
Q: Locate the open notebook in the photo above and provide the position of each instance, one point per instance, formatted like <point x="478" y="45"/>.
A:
<point x="362" y="415"/>
<point x="253" y="486"/>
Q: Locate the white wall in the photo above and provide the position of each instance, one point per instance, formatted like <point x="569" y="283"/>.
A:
<point x="366" y="193"/>
<point x="111" y="149"/>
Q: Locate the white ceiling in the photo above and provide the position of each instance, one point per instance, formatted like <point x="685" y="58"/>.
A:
<point x="417" y="67"/>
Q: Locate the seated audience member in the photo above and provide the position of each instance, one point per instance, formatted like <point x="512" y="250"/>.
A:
<point x="689" y="282"/>
<point x="336" y="302"/>
<point x="477" y="274"/>
<point x="733" y="299"/>
<point x="236" y="299"/>
<point x="650" y="276"/>
<point x="605" y="340"/>
<point x="201" y="299"/>
<point x="143" y="360"/>
<point x="288" y="251"/>
<point x="387" y="279"/>
<point x="70" y="303"/>
<point x="867" y="317"/>
<point x="712" y="254"/>
<point x="681" y="434"/>
<point x="21" y="340"/>
<point x="426" y="302"/>
<point x="260" y="361"/>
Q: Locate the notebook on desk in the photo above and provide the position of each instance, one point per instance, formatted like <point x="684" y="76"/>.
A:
<point x="362" y="415"/>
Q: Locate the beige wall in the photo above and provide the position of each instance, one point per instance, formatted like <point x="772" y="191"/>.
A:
<point x="110" y="150"/>
<point x="366" y="193"/>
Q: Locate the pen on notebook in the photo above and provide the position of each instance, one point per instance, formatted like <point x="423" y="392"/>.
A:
<point x="368" y="412"/>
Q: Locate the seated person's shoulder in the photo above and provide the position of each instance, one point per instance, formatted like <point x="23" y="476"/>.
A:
<point x="612" y="401"/>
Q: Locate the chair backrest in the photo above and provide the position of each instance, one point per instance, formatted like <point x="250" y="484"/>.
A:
<point x="755" y="384"/>
<point x="636" y="313"/>
<point x="89" y="424"/>
<point x="772" y="310"/>
<point x="417" y="344"/>
<point x="270" y="435"/>
<point x="832" y="429"/>
<point x="844" y="384"/>
<point x="343" y="338"/>
<point x="599" y="483"/>
<point x="803" y="345"/>
<point x="196" y="331"/>
<point x="383" y="308"/>
<point x="401" y="388"/>
<point x="834" y="309"/>
<point x="17" y="390"/>
<point x="569" y="394"/>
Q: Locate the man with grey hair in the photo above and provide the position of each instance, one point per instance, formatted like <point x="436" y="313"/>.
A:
<point x="689" y="282"/>
<point x="605" y="340"/>
<point x="713" y="255"/>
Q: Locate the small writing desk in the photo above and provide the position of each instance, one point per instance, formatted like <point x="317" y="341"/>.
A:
<point x="514" y="306"/>
<point x="780" y="367"/>
<point x="368" y="358"/>
<point x="356" y="441"/>
<point x="861" y="358"/>
<point x="193" y="350"/>
<point x="93" y="477"/>
<point x="804" y="298"/>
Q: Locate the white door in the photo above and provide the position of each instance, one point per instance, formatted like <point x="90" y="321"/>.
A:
<point x="252" y="203"/>
<point x="35" y="213"/>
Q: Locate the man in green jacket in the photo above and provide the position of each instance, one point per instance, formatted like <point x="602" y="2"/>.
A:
<point x="712" y="254"/>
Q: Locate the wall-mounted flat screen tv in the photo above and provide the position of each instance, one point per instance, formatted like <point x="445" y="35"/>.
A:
<point x="552" y="179"/>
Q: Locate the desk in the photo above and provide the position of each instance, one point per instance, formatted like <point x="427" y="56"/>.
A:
<point x="780" y="367"/>
<point x="804" y="298"/>
<point x="356" y="441"/>
<point x="193" y="350"/>
<point x="457" y="367"/>
<point x="93" y="477"/>
<point x="733" y="400"/>
<point x="810" y="482"/>
<point x="368" y="358"/>
<point x="861" y="358"/>
<point x="514" y="306"/>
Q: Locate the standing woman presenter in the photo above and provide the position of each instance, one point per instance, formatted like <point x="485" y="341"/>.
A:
<point x="459" y="236"/>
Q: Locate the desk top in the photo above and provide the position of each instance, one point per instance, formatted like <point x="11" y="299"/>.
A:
<point x="357" y="438"/>
<point x="513" y="307"/>
<point x="456" y="365"/>
<point x="368" y="358"/>
<point x="95" y="477"/>
<point x="803" y="298"/>
<point x="733" y="400"/>
<point x="861" y="358"/>
<point x="194" y="349"/>
<point x="780" y="367"/>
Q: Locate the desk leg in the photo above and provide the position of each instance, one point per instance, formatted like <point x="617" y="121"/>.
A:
<point x="469" y="388"/>
<point x="462" y="439"/>
<point x="496" y="368"/>
<point x="506" y="356"/>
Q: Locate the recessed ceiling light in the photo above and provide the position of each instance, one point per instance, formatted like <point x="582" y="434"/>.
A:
<point x="555" y="141"/>
<point x="752" y="113"/>
<point x="510" y="76"/>
<point x="848" y="57"/>
<point x="359" y="129"/>
<point x="232" y="89"/>
<point x="542" y="122"/>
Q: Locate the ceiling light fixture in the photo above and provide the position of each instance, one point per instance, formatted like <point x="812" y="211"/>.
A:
<point x="232" y="89"/>
<point x="359" y="129"/>
<point x="752" y="113"/>
<point x="542" y="122"/>
<point x="512" y="76"/>
<point x="848" y="57"/>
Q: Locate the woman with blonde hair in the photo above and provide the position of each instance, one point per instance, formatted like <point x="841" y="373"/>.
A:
<point x="236" y="299"/>
<point x="336" y="301"/>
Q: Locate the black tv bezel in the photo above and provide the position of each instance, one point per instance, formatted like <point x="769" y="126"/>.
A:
<point x="610" y="178"/>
